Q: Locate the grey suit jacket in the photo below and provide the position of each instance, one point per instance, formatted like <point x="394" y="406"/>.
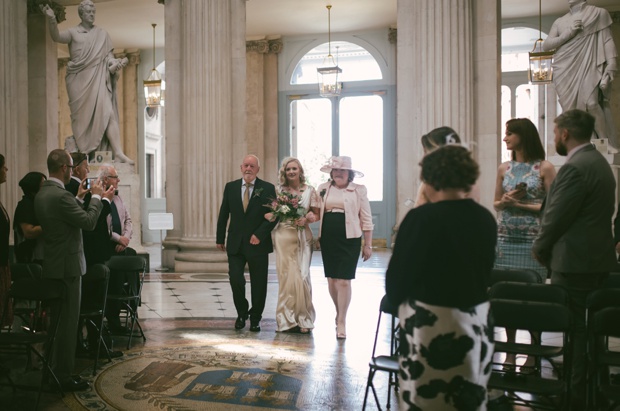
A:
<point x="576" y="234"/>
<point x="62" y="219"/>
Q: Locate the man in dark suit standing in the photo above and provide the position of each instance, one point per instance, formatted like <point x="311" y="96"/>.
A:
<point x="249" y="239"/>
<point x="575" y="239"/>
<point x="63" y="219"/>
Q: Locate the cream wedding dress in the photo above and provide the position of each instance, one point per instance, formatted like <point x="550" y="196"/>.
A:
<point x="293" y="254"/>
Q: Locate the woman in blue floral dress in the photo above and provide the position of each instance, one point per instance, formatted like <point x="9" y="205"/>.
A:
<point x="522" y="184"/>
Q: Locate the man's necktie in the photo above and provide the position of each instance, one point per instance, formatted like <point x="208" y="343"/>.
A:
<point x="116" y="220"/>
<point x="246" y="196"/>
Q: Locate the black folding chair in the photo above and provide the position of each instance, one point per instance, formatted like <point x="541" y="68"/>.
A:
<point x="536" y="308"/>
<point x="604" y="324"/>
<point x="38" y="340"/>
<point x="92" y="309"/>
<point x="24" y="310"/>
<point x="385" y="362"/>
<point x="601" y="357"/>
<point x="133" y="267"/>
<point x="519" y="276"/>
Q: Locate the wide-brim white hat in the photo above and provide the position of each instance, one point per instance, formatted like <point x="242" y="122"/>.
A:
<point x="342" y="163"/>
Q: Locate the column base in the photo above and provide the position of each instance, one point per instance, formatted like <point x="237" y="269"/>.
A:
<point x="201" y="257"/>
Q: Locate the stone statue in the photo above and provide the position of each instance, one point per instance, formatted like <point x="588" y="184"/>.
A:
<point x="92" y="73"/>
<point x="584" y="64"/>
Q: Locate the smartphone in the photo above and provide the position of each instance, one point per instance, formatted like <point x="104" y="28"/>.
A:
<point x="89" y="182"/>
<point x="521" y="186"/>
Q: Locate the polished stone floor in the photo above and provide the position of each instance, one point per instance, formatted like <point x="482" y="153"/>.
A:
<point x="184" y="308"/>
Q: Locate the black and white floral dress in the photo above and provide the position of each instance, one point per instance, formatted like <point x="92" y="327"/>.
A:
<point x="445" y="357"/>
<point x="438" y="275"/>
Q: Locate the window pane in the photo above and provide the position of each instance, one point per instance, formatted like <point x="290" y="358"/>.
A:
<point x="356" y="62"/>
<point x="506" y="115"/>
<point x="361" y="138"/>
<point x="527" y="102"/>
<point x="311" y="136"/>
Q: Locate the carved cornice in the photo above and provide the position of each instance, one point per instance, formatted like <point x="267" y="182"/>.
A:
<point x="392" y="35"/>
<point x="615" y="16"/>
<point x="264" y="46"/>
<point x="59" y="11"/>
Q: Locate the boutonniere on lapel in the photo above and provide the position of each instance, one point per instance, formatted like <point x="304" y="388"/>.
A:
<point x="257" y="192"/>
<point x="322" y="193"/>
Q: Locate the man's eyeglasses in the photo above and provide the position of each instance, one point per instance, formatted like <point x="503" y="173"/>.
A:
<point x="70" y="166"/>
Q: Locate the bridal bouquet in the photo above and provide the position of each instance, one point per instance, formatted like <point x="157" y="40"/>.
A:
<point x="286" y="208"/>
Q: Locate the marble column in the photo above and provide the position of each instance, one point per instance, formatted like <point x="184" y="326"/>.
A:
<point x="448" y="52"/>
<point x="262" y="103"/>
<point x="205" y="124"/>
<point x="14" y="140"/>
<point x="42" y="88"/>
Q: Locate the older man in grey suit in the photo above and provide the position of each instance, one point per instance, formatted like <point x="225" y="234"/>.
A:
<point x="575" y="239"/>
<point x="63" y="220"/>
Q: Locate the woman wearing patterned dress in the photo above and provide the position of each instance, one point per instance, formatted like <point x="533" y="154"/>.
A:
<point x="522" y="184"/>
<point x="438" y="276"/>
<point x="295" y="312"/>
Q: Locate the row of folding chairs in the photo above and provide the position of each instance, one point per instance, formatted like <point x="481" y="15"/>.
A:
<point x="34" y="298"/>
<point x="540" y="308"/>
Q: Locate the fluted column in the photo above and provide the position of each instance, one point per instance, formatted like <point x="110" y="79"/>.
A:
<point x="205" y="114"/>
<point x="262" y="103"/>
<point x="13" y="98"/>
<point x="438" y="77"/>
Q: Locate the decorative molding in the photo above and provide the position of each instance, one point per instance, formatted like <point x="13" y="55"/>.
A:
<point x="59" y="11"/>
<point x="264" y="46"/>
<point x="275" y="46"/>
<point x="392" y="35"/>
<point x="615" y="16"/>
<point x="134" y="57"/>
<point x="259" y="46"/>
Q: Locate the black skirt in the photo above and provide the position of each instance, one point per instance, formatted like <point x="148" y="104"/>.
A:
<point x="340" y="254"/>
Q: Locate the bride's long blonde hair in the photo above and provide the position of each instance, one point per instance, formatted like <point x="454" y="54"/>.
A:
<point x="282" y="172"/>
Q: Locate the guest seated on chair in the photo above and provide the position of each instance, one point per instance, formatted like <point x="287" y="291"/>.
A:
<point x="111" y="237"/>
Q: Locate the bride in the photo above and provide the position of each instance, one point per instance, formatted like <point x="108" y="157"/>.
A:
<point x="293" y="245"/>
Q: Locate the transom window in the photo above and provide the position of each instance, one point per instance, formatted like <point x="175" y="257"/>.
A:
<point x="356" y="62"/>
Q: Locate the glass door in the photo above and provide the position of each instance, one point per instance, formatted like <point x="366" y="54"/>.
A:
<point x="350" y="125"/>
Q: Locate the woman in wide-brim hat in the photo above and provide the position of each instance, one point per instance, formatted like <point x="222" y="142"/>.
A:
<point x="345" y="218"/>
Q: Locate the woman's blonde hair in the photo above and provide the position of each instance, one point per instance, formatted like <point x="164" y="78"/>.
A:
<point x="282" y="172"/>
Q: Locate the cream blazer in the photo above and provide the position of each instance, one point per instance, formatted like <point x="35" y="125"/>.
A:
<point x="357" y="214"/>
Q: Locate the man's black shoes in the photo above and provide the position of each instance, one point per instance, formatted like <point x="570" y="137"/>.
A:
<point x="255" y="325"/>
<point x="240" y="323"/>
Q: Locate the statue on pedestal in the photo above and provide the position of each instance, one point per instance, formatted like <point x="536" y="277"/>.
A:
<point x="585" y="63"/>
<point x="92" y="73"/>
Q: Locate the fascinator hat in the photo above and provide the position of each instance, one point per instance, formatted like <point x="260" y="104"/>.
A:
<point x="342" y="163"/>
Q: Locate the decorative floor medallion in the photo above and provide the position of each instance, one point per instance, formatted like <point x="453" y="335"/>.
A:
<point x="234" y="376"/>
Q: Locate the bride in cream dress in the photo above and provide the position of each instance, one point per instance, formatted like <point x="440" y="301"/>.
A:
<point x="295" y="312"/>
